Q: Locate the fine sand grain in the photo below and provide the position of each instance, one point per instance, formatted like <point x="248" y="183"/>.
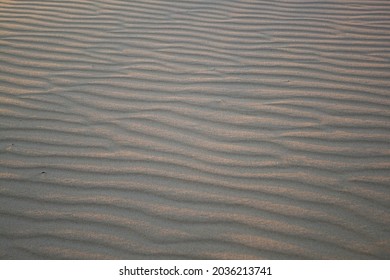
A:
<point x="195" y="129"/>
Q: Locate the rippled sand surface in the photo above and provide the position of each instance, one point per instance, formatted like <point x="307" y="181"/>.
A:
<point x="195" y="129"/>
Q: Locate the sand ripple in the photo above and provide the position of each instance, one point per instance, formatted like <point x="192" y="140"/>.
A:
<point x="194" y="129"/>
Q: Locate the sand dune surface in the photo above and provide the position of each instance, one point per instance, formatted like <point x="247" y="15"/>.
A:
<point x="195" y="129"/>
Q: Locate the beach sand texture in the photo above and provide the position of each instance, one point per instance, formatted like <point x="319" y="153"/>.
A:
<point x="195" y="129"/>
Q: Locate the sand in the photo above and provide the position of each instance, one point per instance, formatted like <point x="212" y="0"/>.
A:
<point x="195" y="129"/>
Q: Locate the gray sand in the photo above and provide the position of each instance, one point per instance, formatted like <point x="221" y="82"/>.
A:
<point x="195" y="129"/>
